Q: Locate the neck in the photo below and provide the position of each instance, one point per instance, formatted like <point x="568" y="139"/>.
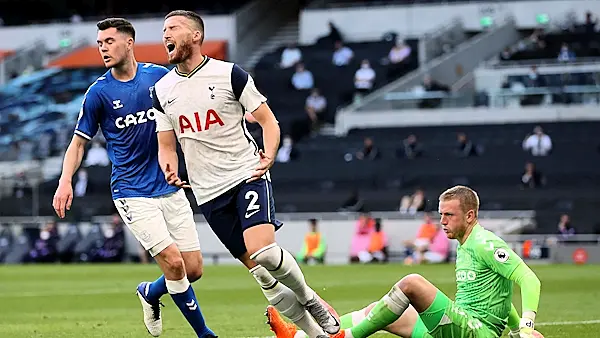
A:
<point x="126" y="71"/>
<point x="464" y="237"/>
<point x="191" y="63"/>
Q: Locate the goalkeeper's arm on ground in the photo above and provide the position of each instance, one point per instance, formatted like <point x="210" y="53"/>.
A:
<point x="530" y="294"/>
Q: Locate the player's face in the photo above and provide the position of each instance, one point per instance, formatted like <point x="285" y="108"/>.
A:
<point x="178" y="38"/>
<point x="114" y="47"/>
<point x="453" y="218"/>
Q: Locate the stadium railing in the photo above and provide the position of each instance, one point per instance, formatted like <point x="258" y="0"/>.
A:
<point x="496" y="64"/>
<point x="497" y="99"/>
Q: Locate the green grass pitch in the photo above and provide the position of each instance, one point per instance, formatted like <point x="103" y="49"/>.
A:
<point x="85" y="301"/>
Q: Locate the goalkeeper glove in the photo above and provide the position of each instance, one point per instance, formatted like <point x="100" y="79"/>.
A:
<point x="526" y="326"/>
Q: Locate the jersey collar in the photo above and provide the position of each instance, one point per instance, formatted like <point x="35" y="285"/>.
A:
<point x="195" y="70"/>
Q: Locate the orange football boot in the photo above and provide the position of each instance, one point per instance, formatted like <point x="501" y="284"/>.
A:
<point x="279" y="326"/>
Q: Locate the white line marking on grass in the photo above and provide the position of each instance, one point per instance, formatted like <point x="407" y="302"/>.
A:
<point x="577" y="322"/>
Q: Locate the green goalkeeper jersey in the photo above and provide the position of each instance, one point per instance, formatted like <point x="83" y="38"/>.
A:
<point x="484" y="264"/>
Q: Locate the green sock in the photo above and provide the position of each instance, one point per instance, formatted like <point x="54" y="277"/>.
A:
<point x="346" y="321"/>
<point x="379" y="317"/>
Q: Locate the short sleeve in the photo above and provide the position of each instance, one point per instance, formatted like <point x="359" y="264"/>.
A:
<point x="498" y="256"/>
<point x="163" y="123"/>
<point x="89" y="114"/>
<point x="245" y="90"/>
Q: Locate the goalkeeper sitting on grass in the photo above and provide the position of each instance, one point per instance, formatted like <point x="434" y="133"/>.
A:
<point x="485" y="271"/>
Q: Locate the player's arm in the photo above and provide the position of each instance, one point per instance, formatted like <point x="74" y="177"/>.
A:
<point x="167" y="144"/>
<point x="530" y="294"/>
<point x="254" y="102"/>
<point x="504" y="261"/>
<point x="85" y="130"/>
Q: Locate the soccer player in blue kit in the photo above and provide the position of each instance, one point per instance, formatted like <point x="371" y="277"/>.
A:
<point x="158" y="214"/>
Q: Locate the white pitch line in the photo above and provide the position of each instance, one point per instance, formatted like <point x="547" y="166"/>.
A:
<point x="577" y="322"/>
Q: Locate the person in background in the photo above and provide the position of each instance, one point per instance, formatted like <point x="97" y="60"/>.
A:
<point x="314" y="247"/>
<point x="434" y="252"/>
<point x="378" y="246"/>
<point x="362" y="236"/>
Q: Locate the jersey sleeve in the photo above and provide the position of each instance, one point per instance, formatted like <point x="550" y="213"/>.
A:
<point x="498" y="256"/>
<point x="163" y="123"/>
<point x="89" y="114"/>
<point x="245" y="90"/>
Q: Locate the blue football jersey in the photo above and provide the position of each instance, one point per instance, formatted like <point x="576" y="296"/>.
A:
<point x="124" y="113"/>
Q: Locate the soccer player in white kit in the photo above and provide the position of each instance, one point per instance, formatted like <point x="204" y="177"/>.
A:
<point x="202" y="103"/>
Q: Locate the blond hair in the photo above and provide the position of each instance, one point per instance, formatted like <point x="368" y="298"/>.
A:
<point x="466" y="196"/>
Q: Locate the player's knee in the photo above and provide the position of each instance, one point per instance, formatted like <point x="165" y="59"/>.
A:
<point x="409" y="285"/>
<point x="270" y="256"/>
<point x="173" y="265"/>
<point x="194" y="273"/>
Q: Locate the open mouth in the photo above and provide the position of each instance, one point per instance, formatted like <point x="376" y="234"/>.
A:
<point x="170" y="47"/>
<point x="106" y="57"/>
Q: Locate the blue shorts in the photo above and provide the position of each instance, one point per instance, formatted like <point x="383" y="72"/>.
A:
<point x="242" y="207"/>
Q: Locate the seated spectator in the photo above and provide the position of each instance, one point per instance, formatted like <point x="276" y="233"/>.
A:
<point x="369" y="150"/>
<point x="565" y="229"/>
<point x="362" y="236"/>
<point x="364" y="78"/>
<point x="290" y="56"/>
<point x="378" y="246"/>
<point x="333" y="35"/>
<point x="398" y="60"/>
<point x="506" y="54"/>
<point x="425" y="235"/>
<point x="411" y="147"/>
<point x="532" y="178"/>
<point x="465" y="147"/>
<point x="44" y="249"/>
<point x="97" y="156"/>
<point x="353" y="203"/>
<point x="315" y="106"/>
<point x="113" y="248"/>
<point x="566" y="54"/>
<point x="434" y="252"/>
<point x="314" y="247"/>
<point x="342" y="55"/>
<point x="287" y="152"/>
<point x="538" y="143"/>
<point x="413" y="203"/>
<point x="430" y="85"/>
<point x="302" y="78"/>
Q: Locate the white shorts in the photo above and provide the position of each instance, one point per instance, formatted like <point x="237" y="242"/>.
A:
<point x="160" y="221"/>
<point x="434" y="257"/>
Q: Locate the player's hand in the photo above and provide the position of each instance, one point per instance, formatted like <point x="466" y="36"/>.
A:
<point x="63" y="198"/>
<point x="173" y="179"/>
<point x="263" y="166"/>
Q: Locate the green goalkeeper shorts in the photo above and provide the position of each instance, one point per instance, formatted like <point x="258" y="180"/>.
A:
<point x="444" y="319"/>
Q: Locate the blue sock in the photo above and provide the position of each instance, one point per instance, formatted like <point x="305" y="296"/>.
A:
<point x="188" y="305"/>
<point x="157" y="289"/>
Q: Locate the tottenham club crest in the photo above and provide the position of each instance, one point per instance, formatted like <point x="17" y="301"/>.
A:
<point x="501" y="255"/>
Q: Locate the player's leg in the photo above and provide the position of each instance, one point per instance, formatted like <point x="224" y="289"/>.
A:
<point x="145" y="220"/>
<point x="411" y="290"/>
<point x="179" y="219"/>
<point x="256" y="210"/>
<point x="222" y="216"/>
<point x="408" y="325"/>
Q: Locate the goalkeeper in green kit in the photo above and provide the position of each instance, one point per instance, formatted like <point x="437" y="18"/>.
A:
<point x="485" y="271"/>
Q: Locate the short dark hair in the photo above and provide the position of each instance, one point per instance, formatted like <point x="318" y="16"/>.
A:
<point x="190" y="15"/>
<point x="122" y="25"/>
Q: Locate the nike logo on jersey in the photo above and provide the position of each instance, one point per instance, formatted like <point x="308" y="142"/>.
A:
<point x="250" y="214"/>
<point x="170" y="101"/>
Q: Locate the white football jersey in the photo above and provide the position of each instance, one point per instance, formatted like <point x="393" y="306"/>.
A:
<point x="206" y="110"/>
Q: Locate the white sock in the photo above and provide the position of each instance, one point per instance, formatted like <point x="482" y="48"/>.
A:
<point x="177" y="286"/>
<point x="285" y="301"/>
<point x="282" y="265"/>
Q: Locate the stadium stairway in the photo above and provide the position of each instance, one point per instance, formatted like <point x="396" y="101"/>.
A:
<point x="289" y="33"/>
